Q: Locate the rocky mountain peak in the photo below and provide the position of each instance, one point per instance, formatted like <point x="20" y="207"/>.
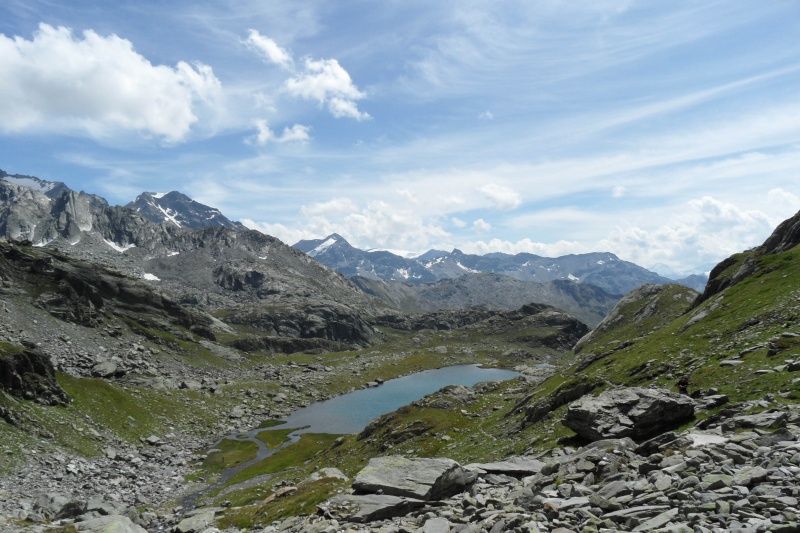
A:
<point x="178" y="209"/>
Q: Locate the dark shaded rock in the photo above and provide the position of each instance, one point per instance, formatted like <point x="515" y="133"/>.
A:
<point x="628" y="412"/>
<point x="29" y="374"/>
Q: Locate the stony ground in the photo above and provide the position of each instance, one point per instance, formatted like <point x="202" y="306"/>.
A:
<point x="736" y="473"/>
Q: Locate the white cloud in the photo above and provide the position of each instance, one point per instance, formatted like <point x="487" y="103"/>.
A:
<point x="269" y="49"/>
<point x="618" y="192"/>
<point x="286" y="234"/>
<point x="377" y="224"/>
<point x="329" y="84"/>
<point x="98" y="86"/>
<point x="486" y="115"/>
<point x="704" y="232"/>
<point x="336" y="206"/>
<point x="264" y="135"/>
<point x="555" y="249"/>
<point x="481" y="226"/>
<point x="502" y="197"/>
<point x="457" y="222"/>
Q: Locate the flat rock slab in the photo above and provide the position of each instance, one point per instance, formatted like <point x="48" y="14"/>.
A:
<point x="196" y="523"/>
<point x="633" y="412"/>
<point x="109" y="524"/>
<point x="419" y="478"/>
<point x="704" y="439"/>
<point x="519" y="466"/>
<point x="368" y="507"/>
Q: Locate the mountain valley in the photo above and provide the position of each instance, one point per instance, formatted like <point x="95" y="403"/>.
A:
<point x="134" y="349"/>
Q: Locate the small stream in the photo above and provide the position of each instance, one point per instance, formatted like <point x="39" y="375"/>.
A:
<point x="350" y="413"/>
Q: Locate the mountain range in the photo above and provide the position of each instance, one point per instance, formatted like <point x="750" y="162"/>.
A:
<point x="175" y="240"/>
<point x="136" y="355"/>
<point x="601" y="269"/>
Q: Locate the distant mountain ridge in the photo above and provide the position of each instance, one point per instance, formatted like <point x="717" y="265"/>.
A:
<point x="601" y="269"/>
<point x="584" y="301"/>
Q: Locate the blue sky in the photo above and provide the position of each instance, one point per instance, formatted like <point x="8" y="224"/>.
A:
<point x="665" y="132"/>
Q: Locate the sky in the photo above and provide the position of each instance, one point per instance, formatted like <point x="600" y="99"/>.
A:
<point x="667" y="133"/>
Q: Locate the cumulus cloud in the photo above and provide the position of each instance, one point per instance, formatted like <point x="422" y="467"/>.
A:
<point x="555" y="249"/>
<point x="326" y="82"/>
<point x="706" y="231"/>
<point x="98" y="86"/>
<point x="502" y="197"/>
<point x="269" y="49"/>
<point x="376" y="224"/>
<point x="264" y="135"/>
<point x="481" y="226"/>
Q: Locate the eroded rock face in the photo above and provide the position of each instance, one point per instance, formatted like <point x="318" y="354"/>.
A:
<point x="420" y="478"/>
<point x="628" y="412"/>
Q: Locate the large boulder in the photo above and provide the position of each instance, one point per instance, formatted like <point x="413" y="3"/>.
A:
<point x="420" y="478"/>
<point x="628" y="412"/>
<point x="368" y="507"/>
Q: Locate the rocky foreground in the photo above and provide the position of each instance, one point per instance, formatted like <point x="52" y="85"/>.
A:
<point x="736" y="471"/>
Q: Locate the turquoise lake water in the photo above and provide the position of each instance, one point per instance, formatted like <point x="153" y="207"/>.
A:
<point x="350" y="413"/>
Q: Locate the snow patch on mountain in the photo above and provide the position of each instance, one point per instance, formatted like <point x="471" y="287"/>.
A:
<point x="31" y="183"/>
<point x="322" y="247"/>
<point x="471" y="271"/>
<point x="118" y="247"/>
<point x="405" y="254"/>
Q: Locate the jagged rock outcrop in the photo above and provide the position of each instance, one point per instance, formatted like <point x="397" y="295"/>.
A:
<point x="29" y="374"/>
<point x="632" y="412"/>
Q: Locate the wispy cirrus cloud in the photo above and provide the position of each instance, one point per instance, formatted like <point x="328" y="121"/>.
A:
<point x="269" y="49"/>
